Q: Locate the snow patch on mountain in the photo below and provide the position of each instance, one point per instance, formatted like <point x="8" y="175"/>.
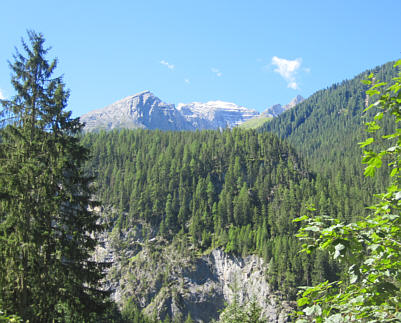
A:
<point x="215" y="114"/>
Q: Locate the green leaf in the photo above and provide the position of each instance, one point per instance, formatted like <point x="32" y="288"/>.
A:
<point x="381" y="84"/>
<point x="394" y="172"/>
<point x="366" y="142"/>
<point x="379" y="116"/>
<point x="301" y="218"/>
<point x="303" y="301"/>
<point x="372" y="126"/>
<point x="372" y="92"/>
<point x="377" y="162"/>
<point x="370" y="171"/>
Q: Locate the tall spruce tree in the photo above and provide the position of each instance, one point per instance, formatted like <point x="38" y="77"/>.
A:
<point x="47" y="227"/>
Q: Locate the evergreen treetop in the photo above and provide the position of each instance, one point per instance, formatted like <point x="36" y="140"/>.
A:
<point x="46" y="226"/>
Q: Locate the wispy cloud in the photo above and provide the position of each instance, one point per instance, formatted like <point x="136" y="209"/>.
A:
<point x="187" y="81"/>
<point x="216" y="71"/>
<point x="2" y="97"/>
<point x="287" y="69"/>
<point x="170" y="66"/>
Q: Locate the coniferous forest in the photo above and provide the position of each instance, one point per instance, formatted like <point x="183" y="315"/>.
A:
<point x="327" y="127"/>
<point x="247" y="192"/>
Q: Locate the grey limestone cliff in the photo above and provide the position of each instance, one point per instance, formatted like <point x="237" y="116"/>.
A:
<point x="166" y="279"/>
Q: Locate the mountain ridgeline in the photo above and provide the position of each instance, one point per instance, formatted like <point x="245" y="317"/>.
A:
<point x="146" y="111"/>
<point x="277" y="109"/>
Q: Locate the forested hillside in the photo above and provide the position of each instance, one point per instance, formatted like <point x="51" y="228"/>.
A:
<point x="239" y="190"/>
<point x="326" y="129"/>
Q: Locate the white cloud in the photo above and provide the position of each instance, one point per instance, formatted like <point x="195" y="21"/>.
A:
<point x="170" y="66"/>
<point x="2" y="97"/>
<point x="187" y="81"/>
<point x="287" y="69"/>
<point x="216" y="71"/>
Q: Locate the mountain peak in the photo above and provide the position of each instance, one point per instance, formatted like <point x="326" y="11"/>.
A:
<point x="277" y="109"/>
<point x="298" y="99"/>
<point x="143" y="93"/>
<point x="140" y="94"/>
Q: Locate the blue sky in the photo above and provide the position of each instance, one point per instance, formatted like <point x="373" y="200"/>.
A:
<point x="253" y="53"/>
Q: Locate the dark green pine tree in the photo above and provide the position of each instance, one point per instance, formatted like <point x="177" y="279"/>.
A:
<point x="46" y="223"/>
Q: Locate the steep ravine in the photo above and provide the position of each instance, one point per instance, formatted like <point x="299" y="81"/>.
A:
<point x="166" y="279"/>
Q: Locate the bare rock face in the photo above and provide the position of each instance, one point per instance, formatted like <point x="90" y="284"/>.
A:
<point x="298" y="99"/>
<point x="278" y="109"/>
<point x="231" y="276"/>
<point x="273" y="111"/>
<point x="164" y="280"/>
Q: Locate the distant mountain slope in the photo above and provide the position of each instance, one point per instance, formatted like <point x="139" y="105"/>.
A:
<point x="270" y="113"/>
<point x="277" y="109"/>
<point x="327" y="126"/>
<point x="145" y="110"/>
<point x="255" y="122"/>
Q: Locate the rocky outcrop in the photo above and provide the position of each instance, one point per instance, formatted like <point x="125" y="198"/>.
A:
<point x="227" y="276"/>
<point x="273" y="111"/>
<point x="169" y="279"/>
<point x="278" y="109"/>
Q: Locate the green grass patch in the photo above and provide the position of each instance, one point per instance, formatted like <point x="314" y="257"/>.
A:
<point x="255" y="122"/>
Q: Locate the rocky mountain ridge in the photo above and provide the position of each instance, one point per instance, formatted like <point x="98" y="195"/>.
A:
<point x="277" y="109"/>
<point x="145" y="110"/>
